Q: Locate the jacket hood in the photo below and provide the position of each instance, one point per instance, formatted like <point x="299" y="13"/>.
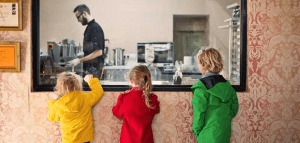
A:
<point x="216" y="87"/>
<point x="71" y="102"/>
<point x="222" y="90"/>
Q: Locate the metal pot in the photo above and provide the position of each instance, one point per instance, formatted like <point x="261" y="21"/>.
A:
<point x="118" y="56"/>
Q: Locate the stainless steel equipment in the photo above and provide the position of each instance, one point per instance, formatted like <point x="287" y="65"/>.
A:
<point x="118" y="56"/>
<point x="120" y="73"/>
<point x="59" y="53"/>
<point x="160" y="53"/>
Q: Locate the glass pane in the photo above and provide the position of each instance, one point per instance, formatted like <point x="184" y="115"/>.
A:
<point x="156" y="33"/>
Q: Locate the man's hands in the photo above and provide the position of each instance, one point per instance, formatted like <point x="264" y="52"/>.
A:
<point x="74" y="62"/>
<point x="88" y="77"/>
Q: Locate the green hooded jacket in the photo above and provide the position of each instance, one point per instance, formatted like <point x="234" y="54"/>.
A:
<point x="215" y="103"/>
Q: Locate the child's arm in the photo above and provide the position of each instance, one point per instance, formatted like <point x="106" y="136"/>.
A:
<point x="53" y="112"/>
<point x="118" y="110"/>
<point x="97" y="91"/>
<point x="199" y="103"/>
<point x="234" y="105"/>
<point x="156" y="106"/>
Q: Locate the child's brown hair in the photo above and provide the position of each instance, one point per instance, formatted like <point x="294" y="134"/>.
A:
<point x="210" y="59"/>
<point x="68" y="82"/>
<point x="140" y="75"/>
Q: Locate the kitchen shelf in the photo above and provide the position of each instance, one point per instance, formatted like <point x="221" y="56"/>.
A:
<point x="228" y="26"/>
<point x="233" y="25"/>
<point x="233" y="6"/>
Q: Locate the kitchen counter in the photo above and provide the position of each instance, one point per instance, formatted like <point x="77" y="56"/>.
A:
<point x="106" y="82"/>
<point x="118" y="75"/>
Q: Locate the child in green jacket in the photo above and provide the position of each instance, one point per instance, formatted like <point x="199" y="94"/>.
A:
<point x="214" y="102"/>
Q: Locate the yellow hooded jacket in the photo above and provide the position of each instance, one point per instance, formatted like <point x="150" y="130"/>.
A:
<point x="74" y="111"/>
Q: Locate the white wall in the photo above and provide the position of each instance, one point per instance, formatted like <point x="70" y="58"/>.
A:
<point x="126" y="22"/>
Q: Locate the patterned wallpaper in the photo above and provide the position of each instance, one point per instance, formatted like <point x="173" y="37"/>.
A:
<point x="269" y="110"/>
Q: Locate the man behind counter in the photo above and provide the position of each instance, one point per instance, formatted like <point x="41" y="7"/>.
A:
<point x="93" y="43"/>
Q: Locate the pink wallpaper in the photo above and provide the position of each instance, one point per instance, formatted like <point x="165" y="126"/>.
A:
<point x="269" y="110"/>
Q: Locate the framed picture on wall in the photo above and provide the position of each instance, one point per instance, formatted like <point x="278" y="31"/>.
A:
<point x="11" y="15"/>
<point x="10" y="57"/>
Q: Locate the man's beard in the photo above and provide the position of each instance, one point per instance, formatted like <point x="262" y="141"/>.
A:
<point x="84" y="21"/>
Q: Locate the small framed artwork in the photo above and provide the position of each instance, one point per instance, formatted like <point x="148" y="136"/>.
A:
<point x="10" y="57"/>
<point x="11" y="15"/>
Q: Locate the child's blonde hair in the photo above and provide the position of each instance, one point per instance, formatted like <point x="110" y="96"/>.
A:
<point x="210" y="59"/>
<point x="68" y="82"/>
<point x="140" y="75"/>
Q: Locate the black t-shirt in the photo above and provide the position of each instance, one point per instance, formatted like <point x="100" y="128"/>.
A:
<point x="93" y="40"/>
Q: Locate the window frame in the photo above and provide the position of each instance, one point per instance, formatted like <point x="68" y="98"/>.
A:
<point x="35" y="60"/>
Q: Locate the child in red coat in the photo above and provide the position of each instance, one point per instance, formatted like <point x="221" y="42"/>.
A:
<point x="137" y="107"/>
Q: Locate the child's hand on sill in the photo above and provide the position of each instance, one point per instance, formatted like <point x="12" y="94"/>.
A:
<point x="88" y="77"/>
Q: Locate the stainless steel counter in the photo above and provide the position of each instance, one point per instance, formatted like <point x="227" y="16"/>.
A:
<point x="106" y="82"/>
<point x="118" y="75"/>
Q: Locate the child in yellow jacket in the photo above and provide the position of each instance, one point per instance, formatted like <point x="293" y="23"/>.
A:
<point x="73" y="108"/>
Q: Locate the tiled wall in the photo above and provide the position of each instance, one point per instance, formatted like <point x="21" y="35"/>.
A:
<point x="269" y="110"/>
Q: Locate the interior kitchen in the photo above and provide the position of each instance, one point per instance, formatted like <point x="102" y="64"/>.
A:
<point x="164" y="36"/>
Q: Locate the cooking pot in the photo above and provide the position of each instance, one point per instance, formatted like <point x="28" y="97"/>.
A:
<point x="118" y="56"/>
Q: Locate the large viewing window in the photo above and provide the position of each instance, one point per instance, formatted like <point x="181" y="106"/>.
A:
<point x="164" y="35"/>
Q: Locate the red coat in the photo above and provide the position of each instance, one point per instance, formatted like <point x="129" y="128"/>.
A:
<point x="137" y="117"/>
